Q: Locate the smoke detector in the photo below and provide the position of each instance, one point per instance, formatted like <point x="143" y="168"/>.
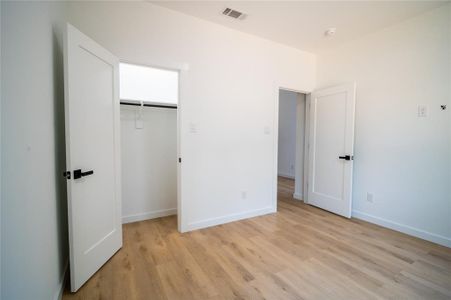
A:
<point x="229" y="12"/>
<point x="330" y="32"/>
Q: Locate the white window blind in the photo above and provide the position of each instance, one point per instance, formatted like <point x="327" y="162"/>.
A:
<point x="140" y="83"/>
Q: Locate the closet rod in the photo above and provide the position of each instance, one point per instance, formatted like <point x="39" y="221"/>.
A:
<point x="148" y="105"/>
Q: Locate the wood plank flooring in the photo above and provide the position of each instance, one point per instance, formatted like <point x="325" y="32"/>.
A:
<point x="301" y="252"/>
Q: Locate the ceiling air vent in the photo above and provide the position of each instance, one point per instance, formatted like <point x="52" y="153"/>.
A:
<point x="233" y="14"/>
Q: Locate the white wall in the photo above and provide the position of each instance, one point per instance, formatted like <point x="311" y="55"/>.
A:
<point x="228" y="99"/>
<point x="33" y="208"/>
<point x="149" y="163"/>
<point x="287" y="133"/>
<point x="404" y="160"/>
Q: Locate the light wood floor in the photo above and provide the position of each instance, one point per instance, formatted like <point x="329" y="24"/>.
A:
<point x="299" y="253"/>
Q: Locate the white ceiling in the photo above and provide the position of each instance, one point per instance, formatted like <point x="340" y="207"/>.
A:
<point x="301" y="24"/>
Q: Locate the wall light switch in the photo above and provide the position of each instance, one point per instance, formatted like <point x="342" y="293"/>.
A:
<point x="422" y="111"/>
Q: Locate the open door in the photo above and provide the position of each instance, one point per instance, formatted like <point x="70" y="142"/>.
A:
<point x="92" y="155"/>
<point x="331" y="146"/>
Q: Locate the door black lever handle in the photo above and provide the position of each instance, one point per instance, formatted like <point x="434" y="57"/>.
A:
<point x="346" y="157"/>
<point x="79" y="174"/>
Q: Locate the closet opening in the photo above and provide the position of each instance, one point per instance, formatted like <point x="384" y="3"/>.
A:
<point x="149" y="142"/>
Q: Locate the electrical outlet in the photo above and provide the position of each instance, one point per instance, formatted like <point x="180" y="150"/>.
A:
<point x="370" y="197"/>
<point x="243" y="194"/>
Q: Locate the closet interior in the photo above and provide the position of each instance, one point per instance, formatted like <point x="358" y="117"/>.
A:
<point x="149" y="99"/>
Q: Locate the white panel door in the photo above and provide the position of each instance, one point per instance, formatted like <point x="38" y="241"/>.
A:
<point x="92" y="155"/>
<point x="331" y="145"/>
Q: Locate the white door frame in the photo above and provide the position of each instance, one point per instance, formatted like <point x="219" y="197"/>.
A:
<point x="182" y="69"/>
<point x="276" y="141"/>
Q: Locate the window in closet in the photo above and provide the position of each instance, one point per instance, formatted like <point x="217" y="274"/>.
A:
<point x="150" y="85"/>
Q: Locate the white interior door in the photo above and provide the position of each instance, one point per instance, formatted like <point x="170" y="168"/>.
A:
<point x="331" y="145"/>
<point x="92" y="155"/>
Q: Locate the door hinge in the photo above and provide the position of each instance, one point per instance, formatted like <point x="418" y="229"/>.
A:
<point x="180" y="159"/>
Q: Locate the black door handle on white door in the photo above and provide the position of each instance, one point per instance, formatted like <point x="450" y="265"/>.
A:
<point x="79" y="174"/>
<point x="346" y="157"/>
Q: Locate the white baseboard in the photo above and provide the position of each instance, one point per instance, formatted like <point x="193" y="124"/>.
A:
<point x="286" y="175"/>
<point x="60" y="290"/>
<point x="298" y="197"/>
<point x="432" y="237"/>
<point x="149" y="215"/>
<point x="229" y="218"/>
